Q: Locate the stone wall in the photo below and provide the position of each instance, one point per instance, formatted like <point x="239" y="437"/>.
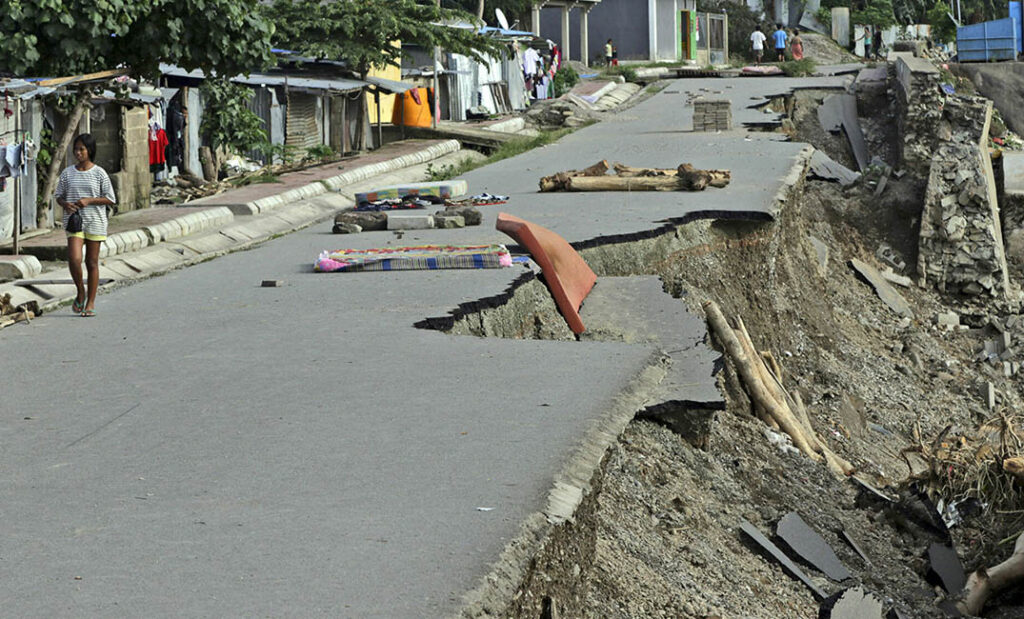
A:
<point x="961" y="246"/>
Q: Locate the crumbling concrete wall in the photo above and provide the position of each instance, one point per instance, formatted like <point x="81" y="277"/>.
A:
<point x="133" y="182"/>
<point x="961" y="243"/>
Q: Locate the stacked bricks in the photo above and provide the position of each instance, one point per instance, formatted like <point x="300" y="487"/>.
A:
<point x="712" y="115"/>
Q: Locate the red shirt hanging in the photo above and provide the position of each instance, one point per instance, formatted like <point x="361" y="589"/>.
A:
<point x="157" y="147"/>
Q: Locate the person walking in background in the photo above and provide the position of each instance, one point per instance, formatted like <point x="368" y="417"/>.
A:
<point x="867" y="42"/>
<point x="796" y="45"/>
<point x="608" y="52"/>
<point x="84" y="191"/>
<point x="878" y="43"/>
<point x="757" y="40"/>
<point x="779" y="37"/>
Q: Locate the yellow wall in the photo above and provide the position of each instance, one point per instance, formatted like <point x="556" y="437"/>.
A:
<point x="387" y="102"/>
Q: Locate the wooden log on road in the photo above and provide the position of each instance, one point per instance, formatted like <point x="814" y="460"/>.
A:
<point x="616" y="183"/>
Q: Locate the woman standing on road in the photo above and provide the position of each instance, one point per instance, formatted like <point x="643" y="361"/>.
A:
<point x="84" y="191"/>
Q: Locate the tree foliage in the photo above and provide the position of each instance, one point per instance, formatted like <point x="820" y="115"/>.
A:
<point x="513" y="10"/>
<point x="361" y="32"/>
<point x="943" y="29"/>
<point x="69" y="37"/>
<point x="878" y="13"/>
<point x="227" y="121"/>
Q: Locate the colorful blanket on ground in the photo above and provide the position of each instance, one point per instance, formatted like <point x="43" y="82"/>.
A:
<point x="439" y="189"/>
<point x="422" y="257"/>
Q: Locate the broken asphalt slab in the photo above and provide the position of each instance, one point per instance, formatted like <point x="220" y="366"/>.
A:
<point x="852" y="603"/>
<point x="945" y="565"/>
<point x="806" y="543"/>
<point x="776" y="553"/>
<point x="883" y="289"/>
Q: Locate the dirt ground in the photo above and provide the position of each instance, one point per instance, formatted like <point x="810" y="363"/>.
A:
<point x="662" y="526"/>
<point x="823" y="50"/>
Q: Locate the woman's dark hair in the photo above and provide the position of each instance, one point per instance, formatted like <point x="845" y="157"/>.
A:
<point x="89" y="142"/>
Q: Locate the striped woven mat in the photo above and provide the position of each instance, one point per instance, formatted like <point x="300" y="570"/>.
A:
<point x="422" y="257"/>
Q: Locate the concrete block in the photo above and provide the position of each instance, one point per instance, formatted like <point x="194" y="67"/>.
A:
<point x="410" y="222"/>
<point x="449" y="221"/>
<point x="19" y="267"/>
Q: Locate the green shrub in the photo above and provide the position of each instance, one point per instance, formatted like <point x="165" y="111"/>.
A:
<point x="798" y="68"/>
<point x="319" y="152"/>
<point x="565" y="79"/>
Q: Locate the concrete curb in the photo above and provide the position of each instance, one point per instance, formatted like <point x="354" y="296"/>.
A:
<point x="495" y="594"/>
<point x="199" y="236"/>
<point x="21" y="266"/>
<point x="134" y="240"/>
<point x="264" y="205"/>
<point x="618" y="96"/>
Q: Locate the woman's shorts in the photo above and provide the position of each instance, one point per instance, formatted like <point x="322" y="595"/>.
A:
<point x="94" y="223"/>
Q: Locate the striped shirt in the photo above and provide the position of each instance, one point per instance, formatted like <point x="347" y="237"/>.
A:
<point x="75" y="184"/>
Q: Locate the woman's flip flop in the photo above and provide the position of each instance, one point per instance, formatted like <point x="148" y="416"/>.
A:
<point x="88" y="313"/>
<point x="77" y="306"/>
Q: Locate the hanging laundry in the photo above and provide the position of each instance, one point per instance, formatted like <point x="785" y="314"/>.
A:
<point x="13" y="156"/>
<point x="157" y="150"/>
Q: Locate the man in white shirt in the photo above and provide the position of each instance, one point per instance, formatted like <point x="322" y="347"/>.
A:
<point x="757" y="39"/>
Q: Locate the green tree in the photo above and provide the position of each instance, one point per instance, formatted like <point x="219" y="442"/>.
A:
<point x="943" y="28"/>
<point x="228" y="121"/>
<point x="877" y="13"/>
<point x="361" y="32"/>
<point x="71" y="37"/>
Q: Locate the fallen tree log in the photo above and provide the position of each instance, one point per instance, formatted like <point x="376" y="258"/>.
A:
<point x="616" y="183"/>
<point x="595" y="178"/>
<point x="987" y="582"/>
<point x="626" y="171"/>
<point x="696" y="180"/>
<point x="751" y="376"/>
<point x="556" y="182"/>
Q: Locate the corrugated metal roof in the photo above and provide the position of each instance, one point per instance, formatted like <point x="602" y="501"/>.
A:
<point x="314" y="84"/>
<point x="390" y="85"/>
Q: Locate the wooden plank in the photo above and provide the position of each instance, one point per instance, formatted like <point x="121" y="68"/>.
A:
<point x="62" y="81"/>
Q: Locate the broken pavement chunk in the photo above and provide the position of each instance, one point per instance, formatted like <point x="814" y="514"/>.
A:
<point x="882" y="288"/>
<point x="825" y="168"/>
<point x="781" y="557"/>
<point x="853" y="603"/>
<point x="944" y="563"/>
<point x="366" y="220"/>
<point x="856" y="547"/>
<point x="811" y="547"/>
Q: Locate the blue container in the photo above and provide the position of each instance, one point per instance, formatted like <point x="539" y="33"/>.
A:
<point x="992" y="40"/>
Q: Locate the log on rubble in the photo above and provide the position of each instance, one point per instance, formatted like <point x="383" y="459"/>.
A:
<point x="987" y="582"/>
<point x="771" y="401"/>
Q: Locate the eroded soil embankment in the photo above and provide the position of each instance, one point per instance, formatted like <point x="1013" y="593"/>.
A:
<point x="658" y="535"/>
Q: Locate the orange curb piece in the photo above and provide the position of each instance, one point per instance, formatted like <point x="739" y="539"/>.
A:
<point x="568" y="277"/>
